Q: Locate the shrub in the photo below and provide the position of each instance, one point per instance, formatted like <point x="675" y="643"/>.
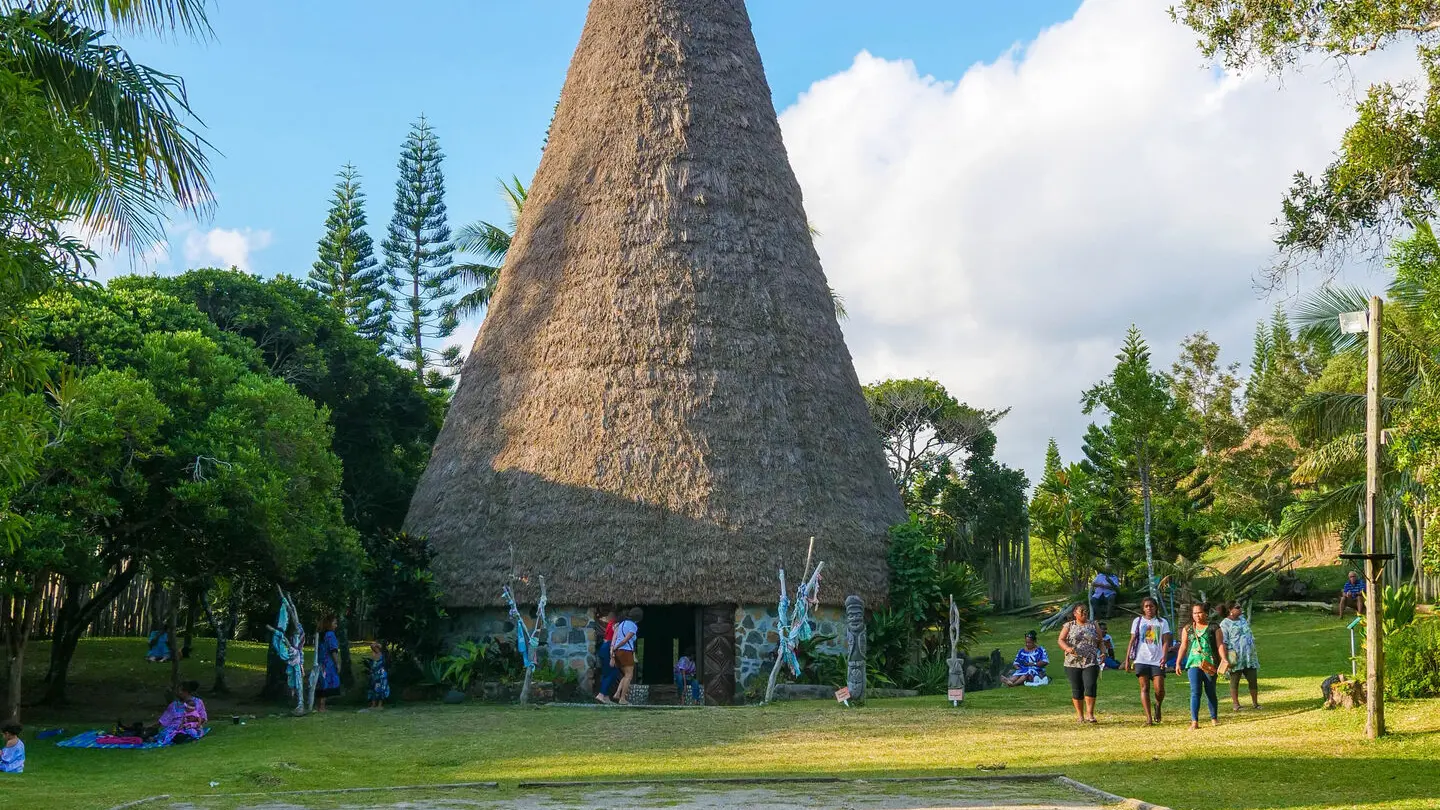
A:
<point x="405" y="602"/>
<point x="1412" y="661"/>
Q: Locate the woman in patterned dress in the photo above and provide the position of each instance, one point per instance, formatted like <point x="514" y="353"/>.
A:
<point x="1030" y="663"/>
<point x="185" y="718"/>
<point x="1080" y="639"/>
<point x="329" y="658"/>
<point x="1240" y="644"/>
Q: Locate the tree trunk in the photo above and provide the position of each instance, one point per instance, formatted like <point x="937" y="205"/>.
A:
<point x="222" y="632"/>
<point x="342" y="635"/>
<point x="17" y="635"/>
<point x="277" y="685"/>
<point x="190" y="599"/>
<point x="1145" y="497"/>
<point x="70" y="624"/>
<point x="172" y="619"/>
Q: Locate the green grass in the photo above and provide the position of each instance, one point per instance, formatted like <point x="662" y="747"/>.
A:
<point x="1291" y="755"/>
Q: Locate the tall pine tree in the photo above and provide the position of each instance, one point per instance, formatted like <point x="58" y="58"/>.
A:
<point x="347" y="273"/>
<point x="418" y="263"/>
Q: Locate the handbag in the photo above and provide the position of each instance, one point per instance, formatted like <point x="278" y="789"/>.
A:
<point x="1224" y="667"/>
<point x="1208" y="668"/>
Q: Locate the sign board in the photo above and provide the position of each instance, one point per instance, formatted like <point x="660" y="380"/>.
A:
<point x="842" y="695"/>
<point x="957" y="694"/>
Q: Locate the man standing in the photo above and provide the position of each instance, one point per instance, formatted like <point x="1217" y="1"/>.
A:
<point x="1103" y="593"/>
<point x="1353" y="592"/>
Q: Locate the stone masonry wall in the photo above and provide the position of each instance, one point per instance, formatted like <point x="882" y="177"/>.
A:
<point x="755" y="638"/>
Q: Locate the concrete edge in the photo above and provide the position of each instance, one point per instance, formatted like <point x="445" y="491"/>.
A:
<point x="1132" y="804"/>
<point x="790" y="780"/>
<point x="319" y="791"/>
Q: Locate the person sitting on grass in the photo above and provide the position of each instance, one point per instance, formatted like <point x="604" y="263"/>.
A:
<point x="1030" y="663"/>
<point x="1351" y="593"/>
<point x="12" y="755"/>
<point x="159" y="641"/>
<point x="185" y="718"/>
<point x="379" y="678"/>
<point x="1107" y="648"/>
<point x="685" y="680"/>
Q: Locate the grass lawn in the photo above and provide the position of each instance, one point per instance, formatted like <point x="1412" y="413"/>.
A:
<point x="1290" y="755"/>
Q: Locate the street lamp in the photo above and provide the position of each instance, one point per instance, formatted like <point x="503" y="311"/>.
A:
<point x="1369" y="323"/>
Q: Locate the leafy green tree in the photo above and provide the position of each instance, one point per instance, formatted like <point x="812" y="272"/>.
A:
<point x="418" y="263"/>
<point x="1385" y="177"/>
<point x="1143" y="419"/>
<point x="490" y="243"/>
<point x="347" y="274"/>
<point x="408" y="613"/>
<point x="1206" y="391"/>
<point x="920" y="423"/>
<point x="1280" y="371"/>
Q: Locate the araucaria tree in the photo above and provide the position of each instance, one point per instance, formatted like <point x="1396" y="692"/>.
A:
<point x="346" y="273"/>
<point x="418" y="263"/>
<point x="1143" y="416"/>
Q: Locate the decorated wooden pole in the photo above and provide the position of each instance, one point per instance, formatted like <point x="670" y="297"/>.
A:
<point x="855" y="649"/>
<point x="957" y="664"/>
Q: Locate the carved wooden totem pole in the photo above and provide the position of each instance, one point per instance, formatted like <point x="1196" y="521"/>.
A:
<point x="855" y="647"/>
<point x="957" y="664"/>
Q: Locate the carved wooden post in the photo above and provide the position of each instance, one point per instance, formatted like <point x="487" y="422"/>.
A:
<point x="855" y="647"/>
<point x="957" y="664"/>
<point x="718" y="666"/>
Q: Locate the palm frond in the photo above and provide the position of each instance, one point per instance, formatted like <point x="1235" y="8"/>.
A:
<point x="1326" y="415"/>
<point x="515" y="196"/>
<point x="482" y="239"/>
<point x="1337" y="459"/>
<point x="1312" y="519"/>
<point x="140" y="16"/>
<point x="135" y="119"/>
<point x="1317" y="316"/>
<point x="481" y="278"/>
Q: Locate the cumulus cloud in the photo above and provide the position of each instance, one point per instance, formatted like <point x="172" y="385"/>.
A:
<point x="224" y="247"/>
<point x="1000" y="231"/>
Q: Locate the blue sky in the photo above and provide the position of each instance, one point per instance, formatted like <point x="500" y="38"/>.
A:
<point x="1002" y="188"/>
<point x="290" y="91"/>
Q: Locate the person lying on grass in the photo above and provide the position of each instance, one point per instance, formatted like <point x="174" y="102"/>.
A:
<point x="1107" y="648"/>
<point x="1030" y="663"/>
<point x="12" y="755"/>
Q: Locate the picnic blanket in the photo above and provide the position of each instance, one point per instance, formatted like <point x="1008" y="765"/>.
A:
<point x="91" y="739"/>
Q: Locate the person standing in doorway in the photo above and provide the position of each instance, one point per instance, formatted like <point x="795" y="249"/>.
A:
<point x="1201" y="649"/>
<point x="609" y="676"/>
<point x="622" y="652"/>
<point x="1244" y="662"/>
<point x="1080" y="639"/>
<point x="1150" y="637"/>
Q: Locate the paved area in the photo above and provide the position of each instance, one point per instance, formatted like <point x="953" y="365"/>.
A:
<point x="972" y="795"/>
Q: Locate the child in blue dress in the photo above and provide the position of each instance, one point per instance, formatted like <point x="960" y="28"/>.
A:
<point x="12" y="754"/>
<point x="379" y="679"/>
<point x="1030" y="663"/>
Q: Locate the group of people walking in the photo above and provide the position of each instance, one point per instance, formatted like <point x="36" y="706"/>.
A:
<point x="1202" y="654"/>
<point x="617" y="656"/>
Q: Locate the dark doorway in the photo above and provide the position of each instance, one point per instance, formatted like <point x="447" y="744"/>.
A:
<point x="666" y="633"/>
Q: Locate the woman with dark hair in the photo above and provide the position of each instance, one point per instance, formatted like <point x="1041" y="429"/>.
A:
<point x="1240" y="644"/>
<point x="1149" y="640"/>
<point x="609" y="675"/>
<point x="185" y="718"/>
<point x="327" y="656"/>
<point x="1201" y="651"/>
<point x="622" y="652"/>
<point x="1080" y="639"/>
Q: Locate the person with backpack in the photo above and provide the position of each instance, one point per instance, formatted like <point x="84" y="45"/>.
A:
<point x="1150" y="638"/>
<point x="1202" y="650"/>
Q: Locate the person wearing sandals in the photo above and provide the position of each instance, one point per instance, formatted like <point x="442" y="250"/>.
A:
<point x="1080" y="639"/>
<point x="1243" y="661"/>
<point x="1201" y="651"/>
<point x="1150" y="637"/>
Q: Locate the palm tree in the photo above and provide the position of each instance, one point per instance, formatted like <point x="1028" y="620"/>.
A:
<point x="489" y="242"/>
<point x="136" y="121"/>
<point x="1332" y="423"/>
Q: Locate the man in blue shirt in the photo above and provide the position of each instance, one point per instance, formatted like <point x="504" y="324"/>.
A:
<point x="1352" y="592"/>
<point x="1103" y="593"/>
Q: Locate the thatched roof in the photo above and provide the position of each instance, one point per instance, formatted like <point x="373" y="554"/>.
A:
<point x="659" y="408"/>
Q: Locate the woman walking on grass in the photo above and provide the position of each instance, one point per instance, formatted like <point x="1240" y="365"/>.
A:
<point x="1149" y="639"/>
<point x="1240" y="644"/>
<point x="328" y="656"/>
<point x="622" y="653"/>
<point x="1201" y="651"/>
<point x="1080" y="639"/>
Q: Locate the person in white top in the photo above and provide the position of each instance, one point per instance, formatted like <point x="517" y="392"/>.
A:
<point x="622" y="653"/>
<point x="1149" y="639"/>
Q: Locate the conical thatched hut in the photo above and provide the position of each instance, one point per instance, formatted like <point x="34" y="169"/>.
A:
<point x="660" y="409"/>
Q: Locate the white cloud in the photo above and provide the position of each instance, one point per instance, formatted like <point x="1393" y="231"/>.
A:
<point x="224" y="247"/>
<point x="1001" y="232"/>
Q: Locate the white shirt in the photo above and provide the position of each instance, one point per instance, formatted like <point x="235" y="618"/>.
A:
<point x="1150" y="640"/>
<point x="622" y="630"/>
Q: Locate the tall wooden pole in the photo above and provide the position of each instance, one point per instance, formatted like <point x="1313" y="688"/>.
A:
<point x="1375" y="645"/>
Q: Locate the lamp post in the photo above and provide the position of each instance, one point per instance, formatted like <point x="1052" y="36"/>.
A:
<point x="1369" y="323"/>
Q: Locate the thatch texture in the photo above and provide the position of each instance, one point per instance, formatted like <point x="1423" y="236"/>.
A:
<point x="660" y="408"/>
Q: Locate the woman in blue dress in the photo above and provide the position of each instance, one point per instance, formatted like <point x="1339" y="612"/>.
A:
<point x="1030" y="663"/>
<point x="329" y="662"/>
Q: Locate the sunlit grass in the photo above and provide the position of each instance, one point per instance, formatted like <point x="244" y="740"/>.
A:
<point x="1290" y="755"/>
